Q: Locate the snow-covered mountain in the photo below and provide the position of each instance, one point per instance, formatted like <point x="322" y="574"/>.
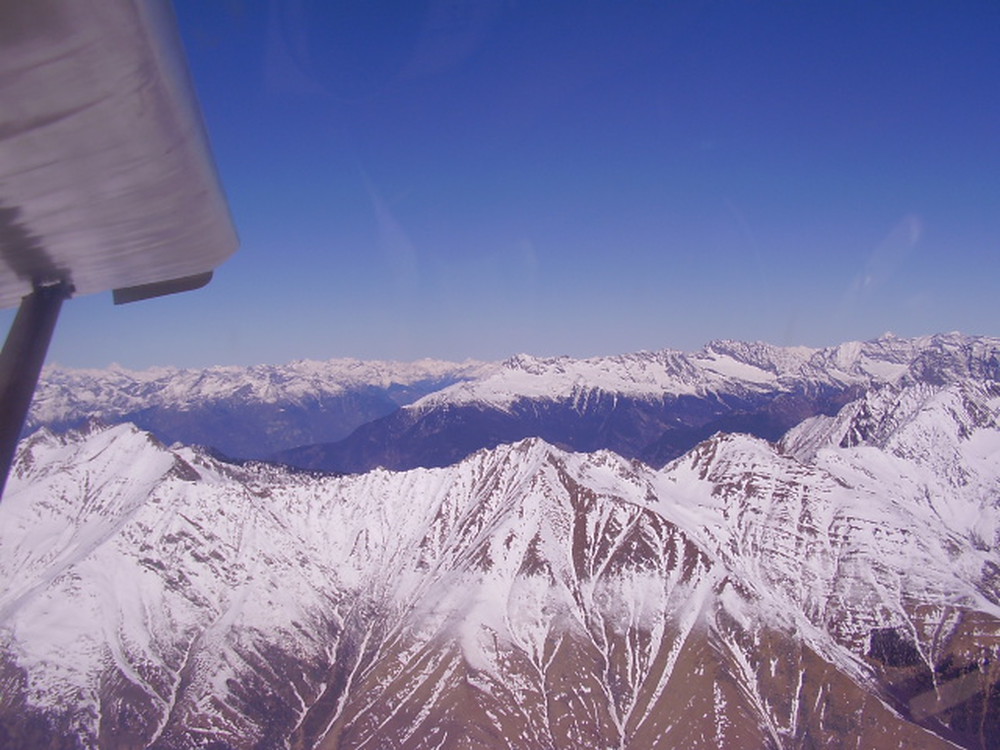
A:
<point x="840" y="589"/>
<point x="652" y="405"/>
<point x="244" y="412"/>
<point x="345" y="415"/>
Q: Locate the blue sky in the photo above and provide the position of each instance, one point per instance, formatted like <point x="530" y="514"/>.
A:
<point x="464" y="178"/>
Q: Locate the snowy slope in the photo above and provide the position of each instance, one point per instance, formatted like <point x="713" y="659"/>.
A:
<point x="818" y="593"/>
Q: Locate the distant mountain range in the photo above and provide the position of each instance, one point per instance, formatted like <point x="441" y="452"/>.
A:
<point x="348" y="416"/>
<point x="242" y="412"/>
<point x="837" y="588"/>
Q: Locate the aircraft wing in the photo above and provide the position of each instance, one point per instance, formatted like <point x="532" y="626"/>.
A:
<point x="106" y="180"/>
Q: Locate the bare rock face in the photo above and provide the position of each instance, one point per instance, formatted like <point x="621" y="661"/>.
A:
<point x="824" y="592"/>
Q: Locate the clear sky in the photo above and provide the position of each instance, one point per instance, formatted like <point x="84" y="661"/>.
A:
<point x="477" y="178"/>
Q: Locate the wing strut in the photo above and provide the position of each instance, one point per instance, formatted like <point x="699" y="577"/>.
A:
<point x="21" y="363"/>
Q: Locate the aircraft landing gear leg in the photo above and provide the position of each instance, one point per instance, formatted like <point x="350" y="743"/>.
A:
<point x="21" y="363"/>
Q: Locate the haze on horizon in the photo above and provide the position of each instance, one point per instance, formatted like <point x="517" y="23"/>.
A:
<point x="472" y="180"/>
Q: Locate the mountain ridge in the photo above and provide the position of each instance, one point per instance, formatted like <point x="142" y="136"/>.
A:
<point x="651" y="406"/>
<point x="648" y="405"/>
<point x="744" y="595"/>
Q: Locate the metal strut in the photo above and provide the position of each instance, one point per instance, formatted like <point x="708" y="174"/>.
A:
<point x="21" y="363"/>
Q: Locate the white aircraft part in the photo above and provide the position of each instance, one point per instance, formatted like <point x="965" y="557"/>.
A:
<point x="106" y="180"/>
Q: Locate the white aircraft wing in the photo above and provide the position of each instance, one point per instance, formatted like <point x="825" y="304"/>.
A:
<point x="106" y="180"/>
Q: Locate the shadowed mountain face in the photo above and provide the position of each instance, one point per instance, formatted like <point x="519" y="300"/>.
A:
<point x="652" y="429"/>
<point x="840" y="589"/>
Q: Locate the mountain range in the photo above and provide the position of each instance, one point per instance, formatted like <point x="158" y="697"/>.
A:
<point x="242" y="412"/>
<point x="349" y="416"/>
<point x="836" y="585"/>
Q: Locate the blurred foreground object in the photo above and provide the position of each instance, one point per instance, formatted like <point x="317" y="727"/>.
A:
<point x="106" y="178"/>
